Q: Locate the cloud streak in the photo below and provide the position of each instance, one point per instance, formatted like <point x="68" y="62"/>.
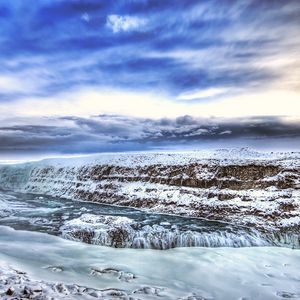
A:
<point x="124" y="23"/>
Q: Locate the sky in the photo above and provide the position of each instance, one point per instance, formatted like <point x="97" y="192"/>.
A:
<point x="88" y="76"/>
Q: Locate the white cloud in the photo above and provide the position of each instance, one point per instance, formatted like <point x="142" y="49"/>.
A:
<point x="200" y="94"/>
<point x="10" y="84"/>
<point x="85" y="17"/>
<point x="225" y="132"/>
<point x="93" y="102"/>
<point x="119" y="23"/>
<point x="197" y="132"/>
<point x="23" y="81"/>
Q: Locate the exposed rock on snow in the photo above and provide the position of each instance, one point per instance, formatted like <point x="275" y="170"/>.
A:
<point x="239" y="186"/>
<point x="121" y="275"/>
<point x="15" y="284"/>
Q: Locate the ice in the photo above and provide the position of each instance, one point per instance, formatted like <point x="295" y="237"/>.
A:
<point x="181" y="273"/>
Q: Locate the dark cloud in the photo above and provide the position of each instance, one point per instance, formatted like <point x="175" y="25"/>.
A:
<point x="121" y="133"/>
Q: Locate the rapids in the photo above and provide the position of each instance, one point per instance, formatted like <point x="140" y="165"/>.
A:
<point x="123" y="227"/>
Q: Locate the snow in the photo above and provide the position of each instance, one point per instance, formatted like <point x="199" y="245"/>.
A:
<point x="182" y="273"/>
<point x="293" y="221"/>
<point x="132" y="159"/>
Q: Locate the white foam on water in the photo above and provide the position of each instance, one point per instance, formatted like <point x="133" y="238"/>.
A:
<point x="122" y="232"/>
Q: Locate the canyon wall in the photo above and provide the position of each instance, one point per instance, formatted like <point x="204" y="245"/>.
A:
<point x="259" y="190"/>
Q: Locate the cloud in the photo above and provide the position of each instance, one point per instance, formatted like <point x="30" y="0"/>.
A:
<point x="124" y="23"/>
<point x="85" y="17"/>
<point x="205" y="93"/>
<point x="74" y="135"/>
<point x="9" y="83"/>
<point x="225" y="132"/>
<point x="87" y="102"/>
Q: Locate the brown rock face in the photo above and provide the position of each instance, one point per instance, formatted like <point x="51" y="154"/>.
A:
<point x="194" y="175"/>
<point x="84" y="235"/>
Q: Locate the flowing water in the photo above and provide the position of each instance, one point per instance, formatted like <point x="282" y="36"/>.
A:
<point x="119" y="226"/>
<point x="35" y="246"/>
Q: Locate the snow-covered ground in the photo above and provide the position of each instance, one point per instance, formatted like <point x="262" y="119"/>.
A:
<point x="46" y="266"/>
<point x="131" y="159"/>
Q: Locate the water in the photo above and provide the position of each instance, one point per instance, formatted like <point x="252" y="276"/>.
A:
<point x="119" y="226"/>
<point x="47" y="214"/>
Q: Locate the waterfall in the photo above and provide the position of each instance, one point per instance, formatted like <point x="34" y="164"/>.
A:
<point x="121" y="232"/>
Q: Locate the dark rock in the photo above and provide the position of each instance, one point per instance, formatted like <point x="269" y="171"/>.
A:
<point x="10" y="291"/>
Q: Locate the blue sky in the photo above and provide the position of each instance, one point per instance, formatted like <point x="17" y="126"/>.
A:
<point x="216" y="62"/>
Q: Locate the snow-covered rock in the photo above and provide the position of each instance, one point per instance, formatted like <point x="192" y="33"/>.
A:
<point x="15" y="284"/>
<point x="242" y="186"/>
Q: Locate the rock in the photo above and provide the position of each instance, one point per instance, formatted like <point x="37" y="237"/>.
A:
<point x="21" y="286"/>
<point x="149" y="290"/>
<point x="10" y="291"/>
<point x="287" y="295"/>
